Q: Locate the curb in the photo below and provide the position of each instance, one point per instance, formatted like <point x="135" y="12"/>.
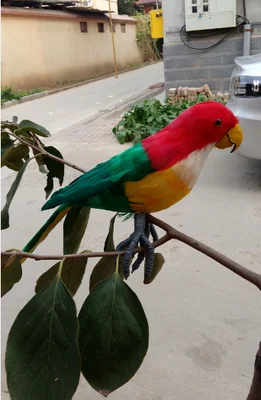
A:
<point x="147" y="94"/>
<point x="62" y="89"/>
<point x="119" y="108"/>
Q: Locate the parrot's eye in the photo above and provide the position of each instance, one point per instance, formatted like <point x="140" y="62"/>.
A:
<point x="218" y="122"/>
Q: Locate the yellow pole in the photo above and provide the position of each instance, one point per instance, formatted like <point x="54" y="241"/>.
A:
<point x="113" y="43"/>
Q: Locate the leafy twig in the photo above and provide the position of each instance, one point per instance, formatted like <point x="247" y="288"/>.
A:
<point x="42" y="151"/>
<point x="171" y="233"/>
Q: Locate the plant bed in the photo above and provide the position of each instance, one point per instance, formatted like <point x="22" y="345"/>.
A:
<point x="146" y="118"/>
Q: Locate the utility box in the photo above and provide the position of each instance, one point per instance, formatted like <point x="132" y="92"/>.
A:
<point x="209" y="14"/>
<point x="156" y="23"/>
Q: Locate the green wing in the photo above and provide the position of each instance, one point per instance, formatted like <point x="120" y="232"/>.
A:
<point x="100" y="186"/>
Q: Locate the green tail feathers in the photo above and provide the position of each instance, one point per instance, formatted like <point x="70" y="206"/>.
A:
<point x="49" y="225"/>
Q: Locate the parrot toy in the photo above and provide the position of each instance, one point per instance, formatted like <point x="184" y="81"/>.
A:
<point x="150" y="176"/>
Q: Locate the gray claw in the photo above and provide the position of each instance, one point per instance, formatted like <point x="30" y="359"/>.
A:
<point x="140" y="236"/>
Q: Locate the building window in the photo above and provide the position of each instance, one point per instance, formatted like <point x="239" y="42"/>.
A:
<point x="101" y="27"/>
<point x="205" y="8"/>
<point x="113" y="27"/>
<point x="194" y="9"/>
<point x="83" y="27"/>
<point x="123" y="28"/>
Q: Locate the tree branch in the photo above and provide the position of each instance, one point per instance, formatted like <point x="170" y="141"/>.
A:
<point x="255" y="389"/>
<point x="171" y="233"/>
<point x="39" y="257"/>
<point x="42" y="151"/>
<point x="233" y="266"/>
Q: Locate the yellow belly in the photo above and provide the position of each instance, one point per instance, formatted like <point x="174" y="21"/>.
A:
<point x="155" y="192"/>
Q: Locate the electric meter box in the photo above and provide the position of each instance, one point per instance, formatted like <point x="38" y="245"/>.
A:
<point x="209" y="14"/>
<point x="156" y="23"/>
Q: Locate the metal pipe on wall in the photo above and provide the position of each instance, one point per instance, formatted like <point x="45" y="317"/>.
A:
<point x="113" y="43"/>
<point x="246" y="39"/>
<point x="244" y="8"/>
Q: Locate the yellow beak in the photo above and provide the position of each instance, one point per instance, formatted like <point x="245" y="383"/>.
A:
<point x="233" y="137"/>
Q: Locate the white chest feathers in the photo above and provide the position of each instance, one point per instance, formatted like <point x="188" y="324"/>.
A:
<point x="189" y="169"/>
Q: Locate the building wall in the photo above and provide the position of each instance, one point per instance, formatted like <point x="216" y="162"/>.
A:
<point x="44" y="48"/>
<point x="104" y="5"/>
<point x="187" y="67"/>
<point x="148" y="8"/>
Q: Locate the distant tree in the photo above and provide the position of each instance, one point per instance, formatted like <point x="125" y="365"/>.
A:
<point x="126" y="7"/>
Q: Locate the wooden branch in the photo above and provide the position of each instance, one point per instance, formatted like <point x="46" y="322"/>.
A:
<point x="233" y="266"/>
<point x="44" y="152"/>
<point x="39" y="257"/>
<point x="255" y="389"/>
<point x="171" y="233"/>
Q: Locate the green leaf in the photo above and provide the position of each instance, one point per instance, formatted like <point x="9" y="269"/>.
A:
<point x="150" y="119"/>
<point x="6" y="142"/>
<point x="113" y="336"/>
<point x="10" y="196"/>
<point x="28" y="126"/>
<point x="121" y="136"/>
<point x="71" y="275"/>
<point x="42" y="357"/>
<point x="102" y="270"/>
<point x="39" y="160"/>
<point x="49" y="186"/>
<point x="106" y="265"/>
<point x="109" y="241"/>
<point x="12" y="126"/>
<point x="14" y="155"/>
<point x="21" y="151"/>
<point x="10" y="274"/>
<point x="157" y="266"/>
<point x="15" y="165"/>
<point x="55" y="168"/>
<point x="74" y="228"/>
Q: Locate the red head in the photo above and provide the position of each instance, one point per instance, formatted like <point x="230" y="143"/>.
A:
<point x="201" y="125"/>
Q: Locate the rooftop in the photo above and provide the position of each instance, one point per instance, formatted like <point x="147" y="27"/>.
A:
<point x="146" y="2"/>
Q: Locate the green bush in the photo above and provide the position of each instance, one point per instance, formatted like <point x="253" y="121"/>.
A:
<point x="8" y="94"/>
<point x="149" y="117"/>
<point x="147" y="45"/>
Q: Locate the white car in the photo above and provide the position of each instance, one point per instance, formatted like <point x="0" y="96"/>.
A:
<point x="245" y="102"/>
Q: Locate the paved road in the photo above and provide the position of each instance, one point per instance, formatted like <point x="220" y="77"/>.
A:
<point x="63" y="109"/>
<point x="204" y="321"/>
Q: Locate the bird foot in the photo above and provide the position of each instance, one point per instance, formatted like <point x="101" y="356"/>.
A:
<point x="140" y="236"/>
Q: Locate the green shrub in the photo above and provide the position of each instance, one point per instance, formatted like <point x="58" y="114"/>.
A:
<point x="8" y="94"/>
<point x="149" y="117"/>
<point x="147" y="45"/>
